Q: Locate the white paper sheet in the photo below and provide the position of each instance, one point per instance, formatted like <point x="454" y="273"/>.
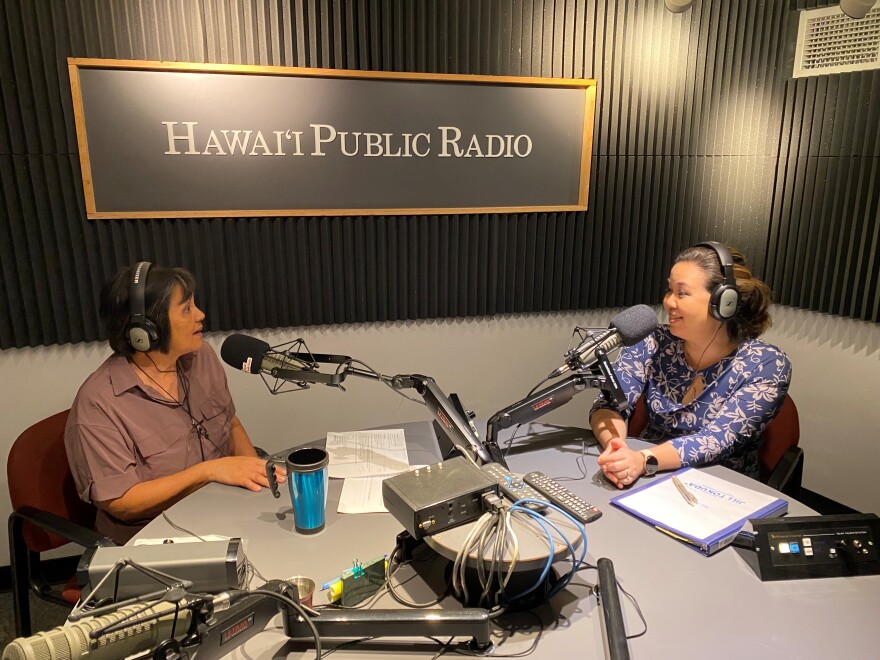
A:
<point x="181" y="539"/>
<point x="367" y="453"/>
<point x="362" y="495"/>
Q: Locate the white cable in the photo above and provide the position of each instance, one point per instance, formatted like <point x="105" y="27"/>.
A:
<point x="456" y="584"/>
<point x="461" y="558"/>
<point x="486" y="580"/>
<point x="515" y="554"/>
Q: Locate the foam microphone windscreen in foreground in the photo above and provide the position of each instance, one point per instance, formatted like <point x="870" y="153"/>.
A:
<point x="635" y="323"/>
<point x="244" y="352"/>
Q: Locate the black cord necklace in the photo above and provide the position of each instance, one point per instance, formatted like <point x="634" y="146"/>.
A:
<point x="161" y="371"/>
<point x="201" y="431"/>
<point x="173" y="398"/>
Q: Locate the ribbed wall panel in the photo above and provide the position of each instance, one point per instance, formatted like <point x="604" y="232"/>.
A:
<point x="700" y="133"/>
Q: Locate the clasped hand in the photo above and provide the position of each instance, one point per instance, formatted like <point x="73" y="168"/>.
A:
<point x="620" y="464"/>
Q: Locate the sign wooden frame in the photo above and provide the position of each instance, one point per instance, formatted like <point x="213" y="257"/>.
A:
<point x="75" y="65"/>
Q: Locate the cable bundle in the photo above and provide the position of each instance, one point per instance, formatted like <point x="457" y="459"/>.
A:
<point x="494" y="536"/>
<point x="545" y="524"/>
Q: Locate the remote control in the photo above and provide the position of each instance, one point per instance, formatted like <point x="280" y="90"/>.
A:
<point x="559" y="495"/>
<point x="513" y="487"/>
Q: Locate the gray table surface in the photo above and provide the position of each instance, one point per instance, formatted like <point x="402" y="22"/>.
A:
<point x="695" y="606"/>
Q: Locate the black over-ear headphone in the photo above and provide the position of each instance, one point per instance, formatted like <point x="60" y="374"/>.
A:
<point x="142" y="333"/>
<point x="724" y="299"/>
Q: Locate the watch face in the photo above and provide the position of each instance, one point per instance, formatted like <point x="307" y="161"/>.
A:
<point x="651" y="464"/>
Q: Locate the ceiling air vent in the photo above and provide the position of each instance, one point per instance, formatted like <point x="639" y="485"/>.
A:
<point x="829" y="41"/>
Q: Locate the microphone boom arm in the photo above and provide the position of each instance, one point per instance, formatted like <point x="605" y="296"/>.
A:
<point x="455" y="425"/>
<point x="557" y="395"/>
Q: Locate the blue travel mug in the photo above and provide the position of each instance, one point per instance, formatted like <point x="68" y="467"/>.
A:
<point x="307" y="476"/>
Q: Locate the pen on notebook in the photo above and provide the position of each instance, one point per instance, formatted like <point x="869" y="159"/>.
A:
<point x="685" y="493"/>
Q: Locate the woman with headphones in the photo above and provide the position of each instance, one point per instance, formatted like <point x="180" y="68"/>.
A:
<point x="709" y="384"/>
<point x="156" y="421"/>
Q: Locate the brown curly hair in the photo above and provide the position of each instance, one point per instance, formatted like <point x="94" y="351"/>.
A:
<point x="752" y="316"/>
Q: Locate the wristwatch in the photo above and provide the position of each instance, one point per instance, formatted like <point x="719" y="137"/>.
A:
<point x="651" y="463"/>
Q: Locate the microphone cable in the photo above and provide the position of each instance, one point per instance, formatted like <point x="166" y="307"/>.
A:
<point x="265" y="592"/>
<point x="594" y="589"/>
<point x="305" y="616"/>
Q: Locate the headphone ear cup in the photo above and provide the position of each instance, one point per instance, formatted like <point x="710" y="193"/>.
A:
<point x="725" y="302"/>
<point x="143" y="336"/>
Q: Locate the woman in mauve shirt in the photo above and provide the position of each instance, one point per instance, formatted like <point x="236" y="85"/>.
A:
<point x="150" y="426"/>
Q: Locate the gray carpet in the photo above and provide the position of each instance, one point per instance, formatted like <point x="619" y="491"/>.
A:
<point x="44" y="616"/>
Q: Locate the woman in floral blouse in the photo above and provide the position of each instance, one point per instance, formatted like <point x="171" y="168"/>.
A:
<point x="709" y="384"/>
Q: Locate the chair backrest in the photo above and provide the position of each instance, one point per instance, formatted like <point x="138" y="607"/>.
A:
<point x="782" y="433"/>
<point x="39" y="476"/>
<point x="639" y="419"/>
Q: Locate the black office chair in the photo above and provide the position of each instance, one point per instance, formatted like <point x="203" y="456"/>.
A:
<point x="781" y="460"/>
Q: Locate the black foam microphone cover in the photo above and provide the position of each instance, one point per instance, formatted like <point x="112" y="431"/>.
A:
<point x="635" y="323"/>
<point x="244" y="352"/>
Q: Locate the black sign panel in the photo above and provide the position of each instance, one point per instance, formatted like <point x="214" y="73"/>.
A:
<point x="159" y="140"/>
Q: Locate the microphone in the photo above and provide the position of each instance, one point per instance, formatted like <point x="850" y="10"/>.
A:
<point x="253" y="356"/>
<point x="73" y="640"/>
<point x="627" y="328"/>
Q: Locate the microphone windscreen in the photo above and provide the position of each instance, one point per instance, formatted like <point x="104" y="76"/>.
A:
<point x="635" y="323"/>
<point x="244" y="352"/>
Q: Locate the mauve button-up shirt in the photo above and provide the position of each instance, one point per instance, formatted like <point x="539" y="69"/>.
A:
<point x="122" y="432"/>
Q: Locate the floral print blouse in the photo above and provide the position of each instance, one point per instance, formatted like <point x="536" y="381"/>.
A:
<point x="722" y="425"/>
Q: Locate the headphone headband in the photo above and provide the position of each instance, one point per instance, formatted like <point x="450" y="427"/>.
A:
<point x="725" y="258"/>
<point x="137" y="291"/>
<point x="724" y="298"/>
<point x="141" y="332"/>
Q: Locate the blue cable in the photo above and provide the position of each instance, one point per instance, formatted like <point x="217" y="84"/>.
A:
<point x="576" y="523"/>
<point x="549" y="563"/>
<point x="540" y="520"/>
<point x="574" y="562"/>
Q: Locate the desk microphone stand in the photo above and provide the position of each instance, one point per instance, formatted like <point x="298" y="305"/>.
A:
<point x="601" y="377"/>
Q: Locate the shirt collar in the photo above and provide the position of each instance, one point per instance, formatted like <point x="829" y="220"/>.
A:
<point x="123" y="377"/>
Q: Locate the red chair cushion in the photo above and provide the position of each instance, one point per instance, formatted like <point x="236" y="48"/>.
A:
<point x="71" y="591"/>
<point x="39" y="476"/>
<point x="782" y="433"/>
<point x="639" y="419"/>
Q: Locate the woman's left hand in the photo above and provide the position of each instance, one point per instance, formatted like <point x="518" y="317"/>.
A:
<point x="620" y="464"/>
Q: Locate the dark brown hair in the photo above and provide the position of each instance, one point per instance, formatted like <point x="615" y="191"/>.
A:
<point x="752" y="316"/>
<point x="115" y="306"/>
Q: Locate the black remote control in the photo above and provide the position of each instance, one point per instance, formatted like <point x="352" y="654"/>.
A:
<point x="513" y="487"/>
<point x="557" y="494"/>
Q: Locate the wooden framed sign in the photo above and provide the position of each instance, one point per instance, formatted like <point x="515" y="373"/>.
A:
<point x="166" y="139"/>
